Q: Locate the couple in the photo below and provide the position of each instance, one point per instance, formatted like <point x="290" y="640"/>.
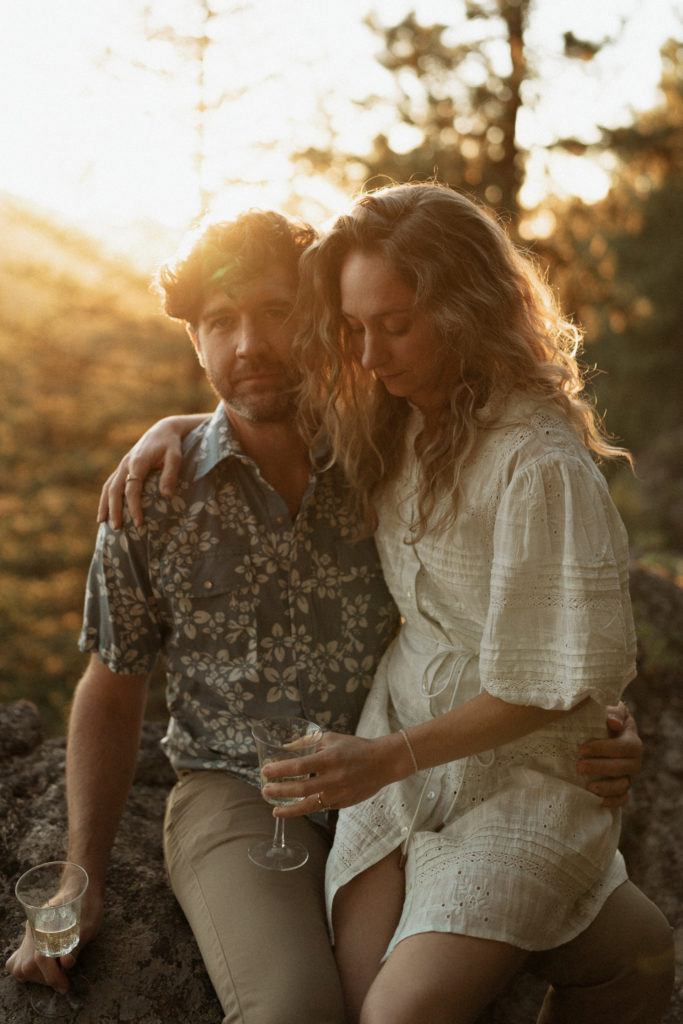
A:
<point x="439" y="396"/>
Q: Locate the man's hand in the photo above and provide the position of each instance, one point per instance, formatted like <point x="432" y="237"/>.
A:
<point x="160" y="446"/>
<point x="104" y="736"/>
<point x="613" y="763"/>
<point x="26" y="964"/>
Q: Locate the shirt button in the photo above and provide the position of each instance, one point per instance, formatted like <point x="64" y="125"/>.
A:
<point x="280" y="520"/>
<point x="431" y="795"/>
<point x="404" y="829"/>
<point x="208" y="585"/>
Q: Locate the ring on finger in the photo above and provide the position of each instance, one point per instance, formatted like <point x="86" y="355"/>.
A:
<point x="321" y="805"/>
<point x="131" y="477"/>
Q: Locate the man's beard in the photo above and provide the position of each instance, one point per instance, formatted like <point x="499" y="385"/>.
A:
<point x="262" y="408"/>
<point x="267" y="406"/>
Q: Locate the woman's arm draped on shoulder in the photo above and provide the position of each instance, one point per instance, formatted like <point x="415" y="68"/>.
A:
<point x="160" y="446"/>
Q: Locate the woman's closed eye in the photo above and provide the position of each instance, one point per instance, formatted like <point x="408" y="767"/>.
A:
<point x="279" y="314"/>
<point x="397" y="329"/>
<point x="393" y="328"/>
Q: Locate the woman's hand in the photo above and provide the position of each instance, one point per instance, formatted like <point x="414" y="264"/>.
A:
<point x="343" y="771"/>
<point x="160" y="446"/>
<point x="613" y="763"/>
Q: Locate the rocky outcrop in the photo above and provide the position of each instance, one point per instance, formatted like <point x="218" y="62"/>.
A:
<point x="144" y="965"/>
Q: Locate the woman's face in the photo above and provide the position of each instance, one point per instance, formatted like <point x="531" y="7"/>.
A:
<point x="391" y="337"/>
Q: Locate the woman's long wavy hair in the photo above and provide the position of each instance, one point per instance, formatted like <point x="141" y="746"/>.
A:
<point x="495" y="322"/>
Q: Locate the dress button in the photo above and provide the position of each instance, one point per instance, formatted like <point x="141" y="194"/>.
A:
<point x="404" y="829"/>
<point x="280" y="520"/>
<point x="431" y="795"/>
<point x="208" y="585"/>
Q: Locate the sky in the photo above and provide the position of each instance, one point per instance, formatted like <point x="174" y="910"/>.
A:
<point x="96" y="118"/>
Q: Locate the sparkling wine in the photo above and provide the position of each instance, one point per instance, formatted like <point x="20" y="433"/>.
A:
<point x="282" y="801"/>
<point x="55" y="931"/>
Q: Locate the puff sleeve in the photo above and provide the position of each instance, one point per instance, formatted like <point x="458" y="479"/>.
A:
<point x="559" y="626"/>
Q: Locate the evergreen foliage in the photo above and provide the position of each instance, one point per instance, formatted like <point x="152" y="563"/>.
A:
<point x="86" y="364"/>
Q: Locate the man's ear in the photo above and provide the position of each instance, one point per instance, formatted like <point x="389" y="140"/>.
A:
<point x="195" y="341"/>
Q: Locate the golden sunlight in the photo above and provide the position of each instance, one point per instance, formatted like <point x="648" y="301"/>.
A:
<point x="123" y="124"/>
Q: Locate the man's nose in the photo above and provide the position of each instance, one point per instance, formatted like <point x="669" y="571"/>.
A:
<point x="250" y="338"/>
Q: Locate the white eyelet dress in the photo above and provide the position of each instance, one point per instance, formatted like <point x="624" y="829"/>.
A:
<point x="525" y="596"/>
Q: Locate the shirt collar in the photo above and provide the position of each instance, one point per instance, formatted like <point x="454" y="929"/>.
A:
<point x="216" y="441"/>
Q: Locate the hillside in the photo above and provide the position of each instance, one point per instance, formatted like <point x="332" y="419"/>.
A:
<point x="86" y="363"/>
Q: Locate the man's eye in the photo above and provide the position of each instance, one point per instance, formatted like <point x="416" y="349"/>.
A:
<point x="222" y="322"/>
<point x="278" y="313"/>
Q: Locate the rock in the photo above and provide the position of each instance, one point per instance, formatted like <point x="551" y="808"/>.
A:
<point x="20" y="729"/>
<point x="658" y="614"/>
<point x="144" y="965"/>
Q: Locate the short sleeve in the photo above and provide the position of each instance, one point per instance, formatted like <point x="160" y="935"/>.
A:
<point x="559" y="626"/>
<point x="120" y="621"/>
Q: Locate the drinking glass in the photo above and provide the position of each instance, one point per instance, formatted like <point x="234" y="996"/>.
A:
<point x="280" y="739"/>
<point x="51" y="895"/>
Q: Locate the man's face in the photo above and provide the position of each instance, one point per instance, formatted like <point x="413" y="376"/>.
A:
<point x="243" y="341"/>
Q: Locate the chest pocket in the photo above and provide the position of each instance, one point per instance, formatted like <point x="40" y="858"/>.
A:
<point x="224" y="574"/>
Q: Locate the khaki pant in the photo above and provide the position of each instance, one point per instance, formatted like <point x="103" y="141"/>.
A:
<point x="262" y="934"/>
<point x="264" y="940"/>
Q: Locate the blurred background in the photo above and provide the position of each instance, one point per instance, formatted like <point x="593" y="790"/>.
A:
<point x="123" y="122"/>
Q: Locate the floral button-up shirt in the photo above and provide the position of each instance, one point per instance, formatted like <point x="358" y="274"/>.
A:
<point x="255" y="614"/>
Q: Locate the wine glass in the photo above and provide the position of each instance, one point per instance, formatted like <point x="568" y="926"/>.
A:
<point x="280" y="739"/>
<point x="51" y="895"/>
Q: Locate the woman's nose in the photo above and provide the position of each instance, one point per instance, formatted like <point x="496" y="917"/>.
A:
<point x="373" y="352"/>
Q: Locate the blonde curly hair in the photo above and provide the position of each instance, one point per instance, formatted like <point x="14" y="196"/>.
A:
<point x="494" y="318"/>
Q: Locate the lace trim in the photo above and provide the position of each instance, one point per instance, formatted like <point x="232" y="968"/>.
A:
<point x="459" y="868"/>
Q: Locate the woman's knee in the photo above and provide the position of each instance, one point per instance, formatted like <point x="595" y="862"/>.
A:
<point x="629" y="934"/>
<point x="440" y="978"/>
<point x="409" y="1008"/>
<point x="620" y="971"/>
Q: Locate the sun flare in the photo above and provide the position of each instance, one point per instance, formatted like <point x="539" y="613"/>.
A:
<point x="101" y="122"/>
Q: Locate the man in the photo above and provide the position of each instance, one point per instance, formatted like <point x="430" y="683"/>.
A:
<point x="248" y="582"/>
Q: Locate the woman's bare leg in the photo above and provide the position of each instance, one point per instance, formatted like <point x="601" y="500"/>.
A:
<point x="439" y="978"/>
<point x="620" y="970"/>
<point x="364" y="917"/>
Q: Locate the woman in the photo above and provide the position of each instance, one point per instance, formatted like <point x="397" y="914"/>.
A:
<point x="446" y="383"/>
